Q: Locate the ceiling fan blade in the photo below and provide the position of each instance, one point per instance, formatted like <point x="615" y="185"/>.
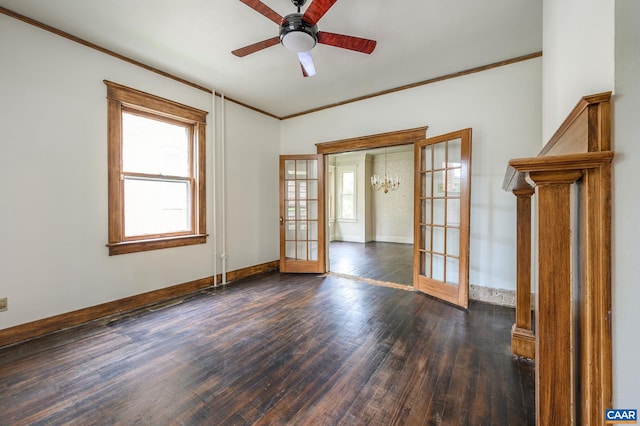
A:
<point x="306" y="63"/>
<point x="252" y="48"/>
<point x="316" y="10"/>
<point x="265" y="10"/>
<point x="347" y="42"/>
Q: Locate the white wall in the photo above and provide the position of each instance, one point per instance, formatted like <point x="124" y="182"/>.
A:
<point x="578" y="56"/>
<point x="53" y="165"/>
<point x="501" y="105"/>
<point x="393" y="211"/>
<point x="626" y="232"/>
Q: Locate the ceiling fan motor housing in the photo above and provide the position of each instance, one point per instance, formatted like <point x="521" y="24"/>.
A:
<point x="297" y="34"/>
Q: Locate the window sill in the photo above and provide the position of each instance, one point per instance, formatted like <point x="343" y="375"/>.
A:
<point x="155" y="244"/>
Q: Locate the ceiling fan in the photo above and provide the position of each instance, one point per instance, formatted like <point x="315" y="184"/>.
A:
<point x="299" y="33"/>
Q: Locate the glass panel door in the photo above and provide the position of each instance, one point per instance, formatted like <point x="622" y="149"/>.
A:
<point x="302" y="214"/>
<point x="442" y="207"/>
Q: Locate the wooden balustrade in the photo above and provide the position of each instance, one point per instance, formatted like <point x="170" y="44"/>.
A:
<point x="571" y="178"/>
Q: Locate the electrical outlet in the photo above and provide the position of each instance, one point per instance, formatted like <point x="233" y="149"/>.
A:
<point x="3" y="304"/>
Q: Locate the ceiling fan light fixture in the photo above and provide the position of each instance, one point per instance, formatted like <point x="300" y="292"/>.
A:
<point x="296" y="34"/>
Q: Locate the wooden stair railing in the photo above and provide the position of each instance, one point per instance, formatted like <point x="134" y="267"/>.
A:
<point x="572" y="341"/>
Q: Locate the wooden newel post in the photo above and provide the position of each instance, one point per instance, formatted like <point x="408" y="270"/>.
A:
<point x="555" y="391"/>
<point x="522" y="337"/>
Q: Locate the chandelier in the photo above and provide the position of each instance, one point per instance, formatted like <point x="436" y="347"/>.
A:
<point x="385" y="182"/>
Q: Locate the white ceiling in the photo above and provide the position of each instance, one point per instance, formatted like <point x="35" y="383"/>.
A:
<point x="192" y="39"/>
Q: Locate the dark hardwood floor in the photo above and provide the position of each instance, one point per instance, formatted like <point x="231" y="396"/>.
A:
<point x="273" y="350"/>
<point x="376" y="260"/>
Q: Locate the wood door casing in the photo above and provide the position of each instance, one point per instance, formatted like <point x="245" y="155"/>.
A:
<point x="442" y="190"/>
<point x="302" y="213"/>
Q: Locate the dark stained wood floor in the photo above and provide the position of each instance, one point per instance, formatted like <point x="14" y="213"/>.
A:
<point x="376" y="260"/>
<point x="273" y="350"/>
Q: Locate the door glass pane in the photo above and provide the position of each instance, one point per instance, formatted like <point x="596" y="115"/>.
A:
<point x="425" y="158"/>
<point x="301" y="169"/>
<point x="438" y="239"/>
<point x="453" y="270"/>
<point x="426" y="211"/>
<point x="426" y="184"/>
<point x="438" y="211"/>
<point x="313" y="250"/>
<point x="312" y="213"/>
<point x="302" y="210"/>
<point x="455" y="151"/>
<point x="312" y="169"/>
<point x="453" y="211"/>
<point x="302" y="230"/>
<point x="302" y="189"/>
<point x="290" y="249"/>
<point x="439" y="156"/>
<point x="313" y="230"/>
<point x="437" y="272"/>
<point x="453" y="181"/>
<point x="290" y="191"/>
<point x="302" y="250"/>
<point x="291" y="210"/>
<point x="289" y="169"/>
<point x="290" y="230"/>
<point x="453" y="241"/>
<point x="313" y="189"/>
<point x="426" y="238"/>
<point x="425" y="264"/>
<point x="439" y="184"/>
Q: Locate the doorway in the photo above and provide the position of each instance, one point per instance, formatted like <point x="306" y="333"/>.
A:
<point x="370" y="229"/>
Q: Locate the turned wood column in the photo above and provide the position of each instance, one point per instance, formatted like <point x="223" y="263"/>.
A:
<point x="522" y="337"/>
<point x="555" y="393"/>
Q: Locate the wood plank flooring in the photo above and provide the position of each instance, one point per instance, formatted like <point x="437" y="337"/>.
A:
<point x="276" y="349"/>
<point x="376" y="260"/>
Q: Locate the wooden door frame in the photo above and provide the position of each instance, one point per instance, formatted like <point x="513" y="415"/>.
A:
<point x="380" y="140"/>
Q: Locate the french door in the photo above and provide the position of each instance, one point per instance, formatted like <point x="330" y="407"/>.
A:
<point x="441" y="216"/>
<point x="302" y="227"/>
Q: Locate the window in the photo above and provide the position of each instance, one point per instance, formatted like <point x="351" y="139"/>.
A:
<point x="347" y="190"/>
<point x="156" y="172"/>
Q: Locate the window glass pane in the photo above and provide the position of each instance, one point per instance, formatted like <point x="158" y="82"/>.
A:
<point x="348" y="184"/>
<point x="156" y="207"/>
<point x="154" y="147"/>
<point x="348" y="210"/>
